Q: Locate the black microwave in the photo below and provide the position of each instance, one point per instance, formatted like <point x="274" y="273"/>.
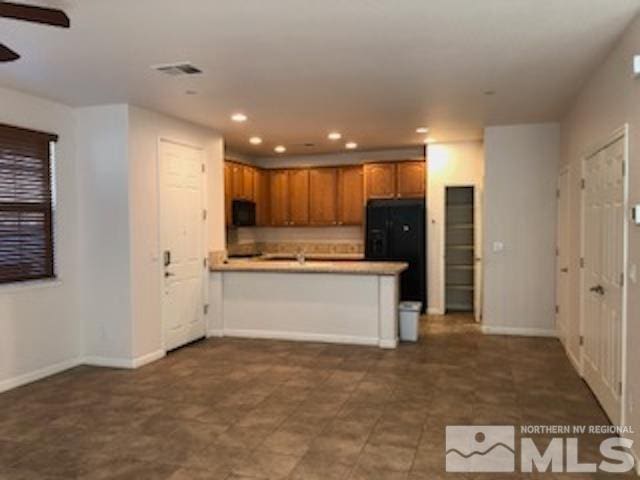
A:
<point x="243" y="213"/>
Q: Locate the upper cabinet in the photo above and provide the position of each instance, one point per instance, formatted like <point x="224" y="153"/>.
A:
<point x="261" y="195"/>
<point x="350" y="196"/>
<point x="323" y="196"/>
<point x="279" y="197"/>
<point x="380" y="180"/>
<point x="298" y="196"/>
<point x="411" y="179"/>
<point x="405" y="179"/>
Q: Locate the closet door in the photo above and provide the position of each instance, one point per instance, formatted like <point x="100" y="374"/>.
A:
<point x="604" y="276"/>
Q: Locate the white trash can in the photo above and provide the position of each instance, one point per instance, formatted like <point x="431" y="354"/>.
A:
<point x="409" y="321"/>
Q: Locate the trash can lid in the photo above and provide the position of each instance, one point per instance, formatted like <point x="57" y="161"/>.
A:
<point x="411" y="306"/>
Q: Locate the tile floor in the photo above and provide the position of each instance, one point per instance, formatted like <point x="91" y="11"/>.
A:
<point x="245" y="409"/>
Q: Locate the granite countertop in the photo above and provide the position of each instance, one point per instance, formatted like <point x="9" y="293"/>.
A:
<point x="311" y="266"/>
<point x="314" y="256"/>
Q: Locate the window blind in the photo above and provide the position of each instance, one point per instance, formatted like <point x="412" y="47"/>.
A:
<point x="26" y="224"/>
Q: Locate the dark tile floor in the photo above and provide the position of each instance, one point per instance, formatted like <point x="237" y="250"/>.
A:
<point x="244" y="409"/>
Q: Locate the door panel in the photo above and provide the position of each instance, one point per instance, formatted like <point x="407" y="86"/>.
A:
<point x="604" y="275"/>
<point x="411" y="181"/>
<point x="279" y="195"/>
<point x="261" y="197"/>
<point x="380" y="180"/>
<point x="299" y="197"/>
<point x="323" y="196"/>
<point x="181" y="201"/>
<point x="350" y="196"/>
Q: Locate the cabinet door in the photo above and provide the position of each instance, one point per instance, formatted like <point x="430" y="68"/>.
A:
<point x="261" y="196"/>
<point x="237" y="181"/>
<point x="279" y="196"/>
<point x="228" y="192"/>
<point x="350" y="196"/>
<point x="248" y="181"/>
<point x="411" y="179"/>
<point x="299" y="197"/>
<point x="380" y="180"/>
<point x="323" y="196"/>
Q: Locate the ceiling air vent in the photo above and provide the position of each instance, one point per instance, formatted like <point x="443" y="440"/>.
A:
<point x="175" y="69"/>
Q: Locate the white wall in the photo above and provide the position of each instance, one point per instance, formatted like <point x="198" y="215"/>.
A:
<point x="103" y="254"/>
<point x="39" y="327"/>
<point x="521" y="168"/>
<point x="449" y="164"/>
<point x="610" y="99"/>
<point x="145" y="128"/>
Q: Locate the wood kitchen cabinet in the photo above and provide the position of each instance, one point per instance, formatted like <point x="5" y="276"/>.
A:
<point x="350" y="196"/>
<point x="380" y="180"/>
<point x="298" y="196"/>
<point x="403" y="179"/>
<point x="411" y="180"/>
<point x="279" y="197"/>
<point x="242" y="179"/>
<point x="323" y="196"/>
<point x="248" y="180"/>
<point x="261" y="195"/>
<point x="228" y="192"/>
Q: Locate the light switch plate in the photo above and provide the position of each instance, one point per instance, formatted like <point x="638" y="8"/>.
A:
<point x="498" y="247"/>
<point x="635" y="214"/>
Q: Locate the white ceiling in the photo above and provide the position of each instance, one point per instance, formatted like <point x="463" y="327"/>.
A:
<point x="372" y="69"/>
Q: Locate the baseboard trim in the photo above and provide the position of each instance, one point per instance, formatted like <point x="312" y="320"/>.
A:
<point x="435" y="311"/>
<point x="39" y="374"/>
<point x="148" y="358"/>
<point x="130" y="363"/>
<point x="390" y="344"/>
<point x="215" y="333"/>
<point x="518" y="332"/>
<point x="301" y="337"/>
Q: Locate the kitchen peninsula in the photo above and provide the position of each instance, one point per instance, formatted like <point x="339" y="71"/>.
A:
<point x="352" y="302"/>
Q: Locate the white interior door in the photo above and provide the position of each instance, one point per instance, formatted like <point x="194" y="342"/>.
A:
<point x="604" y="276"/>
<point x="181" y="232"/>
<point x="563" y="258"/>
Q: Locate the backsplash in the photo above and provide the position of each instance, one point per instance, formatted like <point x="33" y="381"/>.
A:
<point x="296" y="247"/>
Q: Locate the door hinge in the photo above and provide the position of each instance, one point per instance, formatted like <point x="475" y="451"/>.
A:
<point x="624" y="168"/>
<point x="557" y="309"/>
<point x="203" y="168"/>
<point x="557" y="252"/>
<point x="205" y="309"/>
<point x="204" y="214"/>
<point x="581" y="262"/>
<point x="622" y="279"/>
<point x="204" y="262"/>
<point x="620" y="388"/>
<point x="583" y="184"/>
<point x="558" y="193"/>
<point x="581" y="340"/>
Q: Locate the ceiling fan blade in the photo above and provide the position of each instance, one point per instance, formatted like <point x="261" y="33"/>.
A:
<point x="32" y="13"/>
<point x="7" y="55"/>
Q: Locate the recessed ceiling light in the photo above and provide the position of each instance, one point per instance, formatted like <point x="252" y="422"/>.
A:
<point x="255" y="140"/>
<point x="280" y="149"/>
<point x="239" y="117"/>
<point x="422" y="130"/>
<point x="351" y="145"/>
<point x="334" y="136"/>
<point x="429" y="140"/>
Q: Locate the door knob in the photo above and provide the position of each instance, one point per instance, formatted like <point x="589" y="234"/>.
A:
<point x="564" y="270"/>
<point x="168" y="274"/>
<point x="599" y="289"/>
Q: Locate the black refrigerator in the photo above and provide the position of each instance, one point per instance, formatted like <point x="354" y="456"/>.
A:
<point x="396" y="231"/>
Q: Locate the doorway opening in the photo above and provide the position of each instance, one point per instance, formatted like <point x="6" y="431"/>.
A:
<point x="460" y="249"/>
